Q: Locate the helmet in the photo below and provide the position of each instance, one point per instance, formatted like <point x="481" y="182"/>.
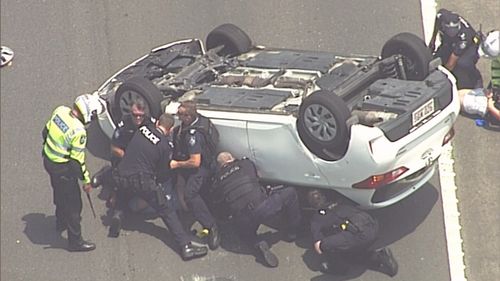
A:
<point x="450" y="22"/>
<point x="89" y="106"/>
<point x="490" y="45"/>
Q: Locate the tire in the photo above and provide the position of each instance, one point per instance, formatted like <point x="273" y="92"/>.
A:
<point x="416" y="55"/>
<point x="322" y="125"/>
<point x="235" y="40"/>
<point x="141" y="88"/>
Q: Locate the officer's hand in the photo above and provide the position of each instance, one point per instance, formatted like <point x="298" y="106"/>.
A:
<point x="174" y="164"/>
<point x="87" y="187"/>
<point x="317" y="248"/>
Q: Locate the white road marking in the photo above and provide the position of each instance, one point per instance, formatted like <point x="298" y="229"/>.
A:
<point x="447" y="177"/>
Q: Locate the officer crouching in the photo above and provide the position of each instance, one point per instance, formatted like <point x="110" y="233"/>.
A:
<point x="144" y="171"/>
<point x="343" y="235"/>
<point x="236" y="189"/>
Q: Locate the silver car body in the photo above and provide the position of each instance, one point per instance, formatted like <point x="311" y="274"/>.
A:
<point x="270" y="139"/>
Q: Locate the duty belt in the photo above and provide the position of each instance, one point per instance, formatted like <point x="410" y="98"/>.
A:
<point x="347" y="225"/>
<point x="136" y="182"/>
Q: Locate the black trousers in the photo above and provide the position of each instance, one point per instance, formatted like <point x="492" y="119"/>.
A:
<point x="281" y="202"/>
<point x="344" y="248"/>
<point x="196" y="180"/>
<point x="161" y="197"/>
<point x="466" y="72"/>
<point x="67" y="197"/>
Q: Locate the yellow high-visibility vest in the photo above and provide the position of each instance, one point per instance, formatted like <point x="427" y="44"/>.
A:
<point x="495" y="72"/>
<point x="66" y="139"/>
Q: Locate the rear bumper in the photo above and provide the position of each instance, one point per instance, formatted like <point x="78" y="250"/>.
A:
<point x="402" y="188"/>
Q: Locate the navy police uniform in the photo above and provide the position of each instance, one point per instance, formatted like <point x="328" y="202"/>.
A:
<point x="144" y="171"/>
<point x="236" y="190"/>
<point x="188" y="141"/>
<point x="464" y="44"/>
<point x="124" y="132"/>
<point x="346" y="234"/>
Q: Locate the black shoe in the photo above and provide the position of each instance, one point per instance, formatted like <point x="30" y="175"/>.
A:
<point x="115" y="226"/>
<point x="83" y="246"/>
<point x="386" y="263"/>
<point x="213" y="238"/>
<point x="96" y="180"/>
<point x="269" y="257"/>
<point x="61" y="226"/>
<point x="190" y="251"/>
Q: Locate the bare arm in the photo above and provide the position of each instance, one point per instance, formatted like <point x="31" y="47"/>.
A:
<point x="194" y="161"/>
<point x="452" y="62"/>
<point x="116" y="151"/>
<point x="317" y="245"/>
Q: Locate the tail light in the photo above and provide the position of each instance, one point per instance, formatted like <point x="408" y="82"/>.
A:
<point x="375" y="181"/>
<point x="447" y="138"/>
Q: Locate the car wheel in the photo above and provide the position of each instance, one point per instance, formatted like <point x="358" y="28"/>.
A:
<point x="416" y="55"/>
<point x="137" y="88"/>
<point x="235" y="40"/>
<point x="322" y="125"/>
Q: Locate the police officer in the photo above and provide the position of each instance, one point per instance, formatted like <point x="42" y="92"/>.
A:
<point x="63" y="153"/>
<point x="343" y="234"/>
<point x="237" y="191"/>
<point x="459" y="48"/>
<point x="122" y="135"/>
<point x="144" y="165"/>
<point x="193" y="159"/>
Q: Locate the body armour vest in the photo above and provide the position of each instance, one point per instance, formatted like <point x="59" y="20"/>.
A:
<point x="237" y="185"/>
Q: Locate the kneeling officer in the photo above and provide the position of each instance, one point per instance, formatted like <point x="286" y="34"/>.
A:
<point x="236" y="189"/>
<point x="146" y="162"/>
<point x="343" y="234"/>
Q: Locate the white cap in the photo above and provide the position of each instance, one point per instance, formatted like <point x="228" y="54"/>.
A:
<point x="89" y="106"/>
<point x="490" y="46"/>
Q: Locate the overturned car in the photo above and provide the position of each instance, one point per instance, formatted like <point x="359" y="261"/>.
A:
<point x="367" y="127"/>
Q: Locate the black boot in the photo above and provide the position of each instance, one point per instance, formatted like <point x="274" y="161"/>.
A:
<point x="82" y="246"/>
<point x="269" y="257"/>
<point x="190" y="251"/>
<point x="97" y="179"/>
<point x="213" y="237"/>
<point x="385" y="262"/>
<point x="116" y="224"/>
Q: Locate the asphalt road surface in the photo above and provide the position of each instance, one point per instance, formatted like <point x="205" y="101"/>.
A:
<point x="65" y="48"/>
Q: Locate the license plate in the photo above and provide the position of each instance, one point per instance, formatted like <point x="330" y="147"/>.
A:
<point x="422" y="112"/>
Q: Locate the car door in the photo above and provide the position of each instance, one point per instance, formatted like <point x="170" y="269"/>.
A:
<point x="278" y="153"/>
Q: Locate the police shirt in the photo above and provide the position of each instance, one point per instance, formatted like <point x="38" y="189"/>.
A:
<point x="149" y="152"/>
<point x="65" y="138"/>
<point x="466" y="37"/>
<point x="189" y="141"/>
<point x="237" y="185"/>
<point x="328" y="221"/>
<point x="124" y="132"/>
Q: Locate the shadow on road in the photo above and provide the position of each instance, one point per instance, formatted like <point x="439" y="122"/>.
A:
<point x="149" y="225"/>
<point x="41" y="230"/>
<point x="489" y="123"/>
<point x="403" y="218"/>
